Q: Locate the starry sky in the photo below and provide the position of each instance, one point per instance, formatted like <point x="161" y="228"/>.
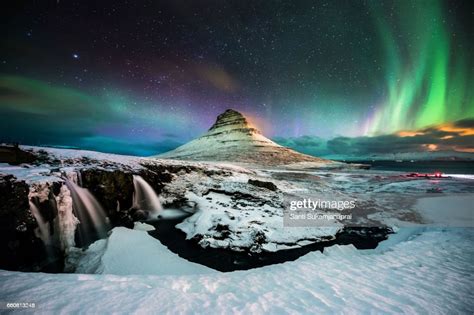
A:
<point x="142" y="77"/>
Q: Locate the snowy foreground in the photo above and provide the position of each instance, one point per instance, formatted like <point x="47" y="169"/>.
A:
<point x="229" y="211"/>
<point x="425" y="267"/>
<point x="414" y="271"/>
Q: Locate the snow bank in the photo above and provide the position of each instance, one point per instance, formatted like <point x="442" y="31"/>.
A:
<point x="135" y="252"/>
<point x="66" y="154"/>
<point x="431" y="273"/>
<point x="39" y="175"/>
<point x="454" y="210"/>
<point x="140" y="226"/>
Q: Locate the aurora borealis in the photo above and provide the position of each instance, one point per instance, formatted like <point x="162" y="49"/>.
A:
<point x="428" y="80"/>
<point x="143" y="77"/>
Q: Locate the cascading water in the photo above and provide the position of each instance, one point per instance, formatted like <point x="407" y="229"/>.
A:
<point x="43" y="227"/>
<point x="92" y="218"/>
<point x="80" y="218"/>
<point x="145" y="197"/>
<point x="72" y="175"/>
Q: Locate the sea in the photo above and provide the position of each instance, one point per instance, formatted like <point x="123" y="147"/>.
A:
<point x="445" y="167"/>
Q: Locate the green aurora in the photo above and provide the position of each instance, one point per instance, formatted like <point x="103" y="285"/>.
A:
<point x="305" y="70"/>
<point x="428" y="79"/>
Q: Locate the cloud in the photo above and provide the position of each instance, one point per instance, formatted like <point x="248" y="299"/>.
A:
<point x="305" y="144"/>
<point x="465" y="123"/>
<point x="306" y="141"/>
<point x="453" y="137"/>
<point x="303" y="141"/>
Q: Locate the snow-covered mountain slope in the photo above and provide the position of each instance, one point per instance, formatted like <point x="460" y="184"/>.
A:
<point x="232" y="138"/>
<point x="431" y="273"/>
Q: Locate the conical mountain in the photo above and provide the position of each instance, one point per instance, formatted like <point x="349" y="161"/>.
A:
<point x="232" y="139"/>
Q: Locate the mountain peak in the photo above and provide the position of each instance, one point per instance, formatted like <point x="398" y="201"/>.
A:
<point x="230" y="111"/>
<point x="230" y="118"/>
<point x="231" y="121"/>
<point x="232" y="138"/>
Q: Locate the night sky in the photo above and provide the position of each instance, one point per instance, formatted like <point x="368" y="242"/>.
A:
<point x="142" y="77"/>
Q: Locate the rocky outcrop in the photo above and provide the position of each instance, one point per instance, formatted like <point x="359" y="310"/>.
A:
<point x="263" y="184"/>
<point x="233" y="139"/>
<point x="12" y="154"/>
<point x="114" y="191"/>
<point x="23" y="231"/>
<point x="230" y="207"/>
<point x="20" y="245"/>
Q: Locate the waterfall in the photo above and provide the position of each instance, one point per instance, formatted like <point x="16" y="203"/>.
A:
<point x="92" y="218"/>
<point x="38" y="193"/>
<point x="144" y="197"/>
<point x="78" y="211"/>
<point x="43" y="227"/>
<point x="72" y="175"/>
<point x="64" y="224"/>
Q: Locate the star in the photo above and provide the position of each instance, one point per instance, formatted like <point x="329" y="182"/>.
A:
<point x="291" y="63"/>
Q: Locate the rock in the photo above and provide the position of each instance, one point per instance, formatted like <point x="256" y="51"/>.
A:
<point x="140" y="215"/>
<point x="114" y="191"/>
<point x="20" y="248"/>
<point x="14" y="155"/>
<point x="259" y="183"/>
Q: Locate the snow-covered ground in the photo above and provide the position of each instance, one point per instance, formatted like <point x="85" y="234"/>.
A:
<point x="128" y="252"/>
<point x="245" y="211"/>
<point x="417" y="270"/>
<point x="245" y="224"/>
<point x="430" y="273"/>
<point x="233" y="213"/>
<point x="448" y="211"/>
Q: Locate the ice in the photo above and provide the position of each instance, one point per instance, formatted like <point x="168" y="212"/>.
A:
<point x="88" y="261"/>
<point x="67" y="222"/>
<point x="143" y="226"/>
<point x="429" y="273"/>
